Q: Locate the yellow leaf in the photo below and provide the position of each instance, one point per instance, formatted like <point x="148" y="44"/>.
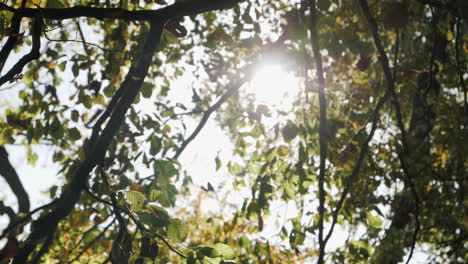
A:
<point x="166" y="129"/>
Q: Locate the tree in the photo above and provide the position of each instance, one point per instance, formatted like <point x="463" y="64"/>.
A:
<point x="375" y="139"/>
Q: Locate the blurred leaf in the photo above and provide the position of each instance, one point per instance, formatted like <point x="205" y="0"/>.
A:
<point x="177" y="230"/>
<point x="136" y="199"/>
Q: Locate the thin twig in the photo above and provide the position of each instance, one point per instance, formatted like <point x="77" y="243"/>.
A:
<point x="90" y="243"/>
<point x="357" y="167"/>
<point x="206" y="115"/>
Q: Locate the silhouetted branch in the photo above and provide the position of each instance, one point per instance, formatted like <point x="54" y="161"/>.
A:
<point x="207" y="113"/>
<point x="323" y="124"/>
<point x="357" y="167"/>
<point x="13" y="180"/>
<point x="32" y="55"/>
<point x="90" y="243"/>
<point x="12" y="39"/>
<point x="8" y="211"/>
<point x="66" y="202"/>
<point x="44" y="248"/>
<point x="25" y="218"/>
<point x="391" y="87"/>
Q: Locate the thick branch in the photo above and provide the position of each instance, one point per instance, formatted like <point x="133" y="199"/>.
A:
<point x="178" y="9"/>
<point x="25" y="218"/>
<point x="8" y="211"/>
<point x="11" y="177"/>
<point x="32" y="55"/>
<point x="12" y="40"/>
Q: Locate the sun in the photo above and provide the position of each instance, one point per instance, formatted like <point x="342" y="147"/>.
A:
<point x="274" y="86"/>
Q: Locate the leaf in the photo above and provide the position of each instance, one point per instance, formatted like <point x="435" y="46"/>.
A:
<point x="55" y="4"/>
<point x="283" y="150"/>
<point x="136" y="199"/>
<point x="154" y="195"/>
<point x="155" y="145"/>
<point x="31" y="156"/>
<point x="166" y="129"/>
<point x="169" y="37"/>
<point x="374" y="221"/>
<point x="177" y="230"/>
<point x="191" y="258"/>
<point x="74" y="134"/>
<point x="218" y="163"/>
<point x="290" y="131"/>
<point x="289" y="190"/>
<point x="225" y="251"/>
<point x="323" y="5"/>
<point x="146" y="89"/>
<point x="210" y="252"/>
<point x="75" y="115"/>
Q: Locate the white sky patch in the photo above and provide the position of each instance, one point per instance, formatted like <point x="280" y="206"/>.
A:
<point x="274" y="87"/>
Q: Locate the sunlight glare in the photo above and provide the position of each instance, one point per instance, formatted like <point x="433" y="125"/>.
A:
<point x="275" y="87"/>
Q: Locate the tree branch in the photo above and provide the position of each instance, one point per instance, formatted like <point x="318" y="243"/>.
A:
<point x="32" y="55"/>
<point x="94" y="240"/>
<point x="25" y="218"/>
<point x="179" y="9"/>
<point x="391" y="87"/>
<point x="357" y="167"/>
<point x="12" y="39"/>
<point x="206" y="115"/>
<point x="322" y="121"/>
<point x="70" y="197"/>
<point x="13" y="180"/>
<point x="130" y="88"/>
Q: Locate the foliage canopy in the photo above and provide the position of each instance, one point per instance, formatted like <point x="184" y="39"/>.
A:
<point x="374" y="142"/>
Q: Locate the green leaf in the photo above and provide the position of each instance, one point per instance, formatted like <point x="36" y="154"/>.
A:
<point x="155" y="145"/>
<point x="164" y="198"/>
<point x="55" y="4"/>
<point x="146" y="89"/>
<point x="218" y="163"/>
<point x="323" y="5"/>
<point x="374" y="221"/>
<point x="225" y="251"/>
<point x="164" y="168"/>
<point x="169" y="37"/>
<point x="210" y="252"/>
<point x="289" y="190"/>
<point x="154" y="195"/>
<point x="75" y="115"/>
<point x="137" y="199"/>
<point x="177" y="230"/>
<point x="74" y="134"/>
<point x="31" y="156"/>
<point x="191" y="258"/>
